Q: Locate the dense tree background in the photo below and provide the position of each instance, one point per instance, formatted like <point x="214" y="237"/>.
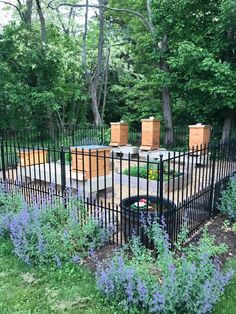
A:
<point x="70" y="64"/>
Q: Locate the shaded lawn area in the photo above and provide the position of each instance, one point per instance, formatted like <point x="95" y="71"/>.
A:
<point x="23" y="289"/>
<point x="227" y="305"/>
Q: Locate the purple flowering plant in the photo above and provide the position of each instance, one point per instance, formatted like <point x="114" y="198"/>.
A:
<point x="11" y="202"/>
<point x="191" y="281"/>
<point x="53" y="233"/>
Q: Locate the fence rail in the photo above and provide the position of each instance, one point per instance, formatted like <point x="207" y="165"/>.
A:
<point x="99" y="135"/>
<point x="57" y="137"/>
<point x="85" y="136"/>
<point x="181" y="186"/>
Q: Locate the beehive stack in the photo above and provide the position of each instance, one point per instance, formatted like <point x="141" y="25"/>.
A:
<point x="119" y="133"/>
<point x="199" y="136"/>
<point x="32" y="157"/>
<point x="150" y="134"/>
<point x="91" y="162"/>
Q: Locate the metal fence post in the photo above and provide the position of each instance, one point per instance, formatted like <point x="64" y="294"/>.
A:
<point x="63" y="170"/>
<point x="211" y="200"/>
<point x="3" y="161"/>
<point x="161" y="184"/>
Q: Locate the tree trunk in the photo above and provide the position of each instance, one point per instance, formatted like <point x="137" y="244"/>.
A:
<point x="166" y="99"/>
<point x="84" y="53"/>
<point x="95" y="78"/>
<point x="28" y="12"/>
<point x="51" y="125"/>
<point x="151" y="28"/>
<point x="149" y="12"/>
<point x="105" y="86"/>
<point x="96" y="114"/>
<point x="42" y="23"/>
<point x="167" y="115"/>
<point x="227" y="126"/>
<point x="24" y="11"/>
<point x="101" y="38"/>
<point x="166" y="108"/>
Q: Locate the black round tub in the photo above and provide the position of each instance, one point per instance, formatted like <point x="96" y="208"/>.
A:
<point x="134" y="217"/>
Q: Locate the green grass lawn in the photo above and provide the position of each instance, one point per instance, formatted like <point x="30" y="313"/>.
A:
<point x="227" y="305"/>
<point x="25" y="290"/>
<point x="70" y="289"/>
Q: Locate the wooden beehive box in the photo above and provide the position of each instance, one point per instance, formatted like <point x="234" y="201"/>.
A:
<point x="30" y="157"/>
<point x="91" y="162"/>
<point x="199" y="135"/>
<point x="119" y="133"/>
<point x="150" y="134"/>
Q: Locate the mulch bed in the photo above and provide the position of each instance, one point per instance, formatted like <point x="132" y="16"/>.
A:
<point x="102" y="256"/>
<point x="216" y="228"/>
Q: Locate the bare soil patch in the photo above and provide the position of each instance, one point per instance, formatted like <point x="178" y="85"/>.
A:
<point x="216" y="228"/>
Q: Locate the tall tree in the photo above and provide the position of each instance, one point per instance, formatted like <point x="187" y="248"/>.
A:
<point x="163" y="66"/>
<point x="42" y="22"/>
<point x="95" y="76"/>
<point x="24" y="10"/>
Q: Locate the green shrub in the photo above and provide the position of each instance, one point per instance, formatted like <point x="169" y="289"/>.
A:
<point x="228" y="200"/>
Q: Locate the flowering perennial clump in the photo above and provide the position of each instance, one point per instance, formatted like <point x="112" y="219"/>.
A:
<point x="11" y="202"/>
<point x="55" y="233"/>
<point x="52" y="232"/>
<point x="191" y="282"/>
<point x="188" y="280"/>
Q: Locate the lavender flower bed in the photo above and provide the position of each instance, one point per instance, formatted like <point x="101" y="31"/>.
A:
<point x="188" y="282"/>
<point x="51" y="233"/>
<point x="11" y="203"/>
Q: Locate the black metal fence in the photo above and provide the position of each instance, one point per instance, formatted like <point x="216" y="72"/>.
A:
<point x="101" y="136"/>
<point x="86" y="135"/>
<point x="58" y="137"/>
<point x="181" y="186"/>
